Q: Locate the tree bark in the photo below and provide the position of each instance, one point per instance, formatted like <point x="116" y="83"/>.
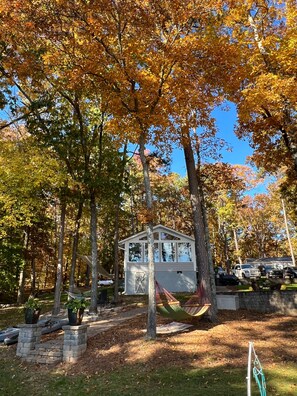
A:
<point x="288" y="233"/>
<point x="94" y="254"/>
<point x="236" y="246"/>
<point x="22" y="276"/>
<point x="59" y="271"/>
<point x="33" y="276"/>
<point x="116" y="254"/>
<point x="116" y="227"/>
<point x="75" y="244"/>
<point x="206" y="275"/>
<point x="151" y="320"/>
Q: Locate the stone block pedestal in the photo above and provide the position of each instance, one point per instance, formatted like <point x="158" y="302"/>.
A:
<point x="75" y="342"/>
<point x="29" y="337"/>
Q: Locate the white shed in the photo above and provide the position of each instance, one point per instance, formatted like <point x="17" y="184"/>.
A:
<point x="175" y="263"/>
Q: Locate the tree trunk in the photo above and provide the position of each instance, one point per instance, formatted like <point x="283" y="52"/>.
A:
<point x="75" y="244"/>
<point x="116" y="227"/>
<point x="22" y="276"/>
<point x="151" y="320"/>
<point x="236" y="246"/>
<point x="33" y="276"/>
<point x="206" y="234"/>
<point x="288" y="233"/>
<point x="205" y="271"/>
<point x="116" y="255"/>
<point x="59" y="272"/>
<point x="94" y="253"/>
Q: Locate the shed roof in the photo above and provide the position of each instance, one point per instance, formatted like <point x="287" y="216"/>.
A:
<point x="157" y="228"/>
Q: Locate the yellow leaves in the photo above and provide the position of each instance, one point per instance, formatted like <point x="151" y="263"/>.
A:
<point x="268" y="91"/>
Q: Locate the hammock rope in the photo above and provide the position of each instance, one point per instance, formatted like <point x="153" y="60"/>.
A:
<point x="259" y="376"/>
<point x="170" y="307"/>
<point x="257" y="372"/>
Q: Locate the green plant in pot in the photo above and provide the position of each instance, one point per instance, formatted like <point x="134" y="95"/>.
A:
<point x="32" y="310"/>
<point x="76" y="307"/>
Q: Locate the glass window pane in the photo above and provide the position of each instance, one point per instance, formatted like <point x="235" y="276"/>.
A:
<point x="168" y="252"/>
<point x="169" y="237"/>
<point x="135" y="252"/>
<point x="156" y="253"/>
<point x="156" y="237"/>
<point x="184" y="252"/>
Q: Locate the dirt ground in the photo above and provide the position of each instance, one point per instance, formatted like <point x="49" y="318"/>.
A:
<point x="205" y="345"/>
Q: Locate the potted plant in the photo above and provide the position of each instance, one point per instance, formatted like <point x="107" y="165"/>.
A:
<point x="32" y="310"/>
<point x="76" y="307"/>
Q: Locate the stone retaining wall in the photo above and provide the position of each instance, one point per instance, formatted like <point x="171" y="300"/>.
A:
<point x="46" y="353"/>
<point x="283" y="302"/>
<point x="68" y="348"/>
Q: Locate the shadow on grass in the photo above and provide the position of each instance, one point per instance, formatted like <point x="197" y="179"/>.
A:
<point x="17" y="380"/>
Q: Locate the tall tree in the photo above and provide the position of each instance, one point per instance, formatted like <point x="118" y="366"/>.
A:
<point x="265" y="35"/>
<point x="30" y="177"/>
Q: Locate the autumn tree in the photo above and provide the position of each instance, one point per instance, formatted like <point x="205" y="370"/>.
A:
<point x="137" y="47"/>
<point x="149" y="59"/>
<point x="225" y="187"/>
<point x="30" y="178"/>
<point x="265" y="34"/>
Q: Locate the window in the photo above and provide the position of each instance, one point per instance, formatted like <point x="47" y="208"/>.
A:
<point x="169" y="237"/>
<point x="184" y="252"/>
<point x="135" y="252"/>
<point x="167" y="249"/>
<point x="168" y="252"/>
<point x="156" y="237"/>
<point x="156" y="253"/>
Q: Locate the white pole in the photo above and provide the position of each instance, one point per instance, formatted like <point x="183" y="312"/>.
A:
<point x="249" y="370"/>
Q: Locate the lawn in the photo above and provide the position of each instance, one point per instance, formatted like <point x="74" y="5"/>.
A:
<point x="209" y="360"/>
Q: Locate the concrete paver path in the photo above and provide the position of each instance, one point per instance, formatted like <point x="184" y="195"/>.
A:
<point x="105" y="323"/>
<point x="106" y="319"/>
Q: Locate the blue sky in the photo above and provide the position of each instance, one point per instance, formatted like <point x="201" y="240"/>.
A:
<point x="226" y="120"/>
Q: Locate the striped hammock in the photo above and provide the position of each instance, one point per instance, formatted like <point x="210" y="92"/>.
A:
<point x="167" y="305"/>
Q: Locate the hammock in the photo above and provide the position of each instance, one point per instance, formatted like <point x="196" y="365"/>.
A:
<point x="167" y="305"/>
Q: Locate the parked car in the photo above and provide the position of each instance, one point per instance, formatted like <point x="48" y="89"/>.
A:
<point x="228" y="280"/>
<point x="290" y="272"/>
<point x="245" y="271"/>
<point x="272" y="272"/>
<point x="262" y="269"/>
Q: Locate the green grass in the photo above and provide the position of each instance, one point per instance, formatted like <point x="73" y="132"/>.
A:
<point x="13" y="314"/>
<point x="246" y="288"/>
<point x="18" y="379"/>
<point x="292" y="286"/>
